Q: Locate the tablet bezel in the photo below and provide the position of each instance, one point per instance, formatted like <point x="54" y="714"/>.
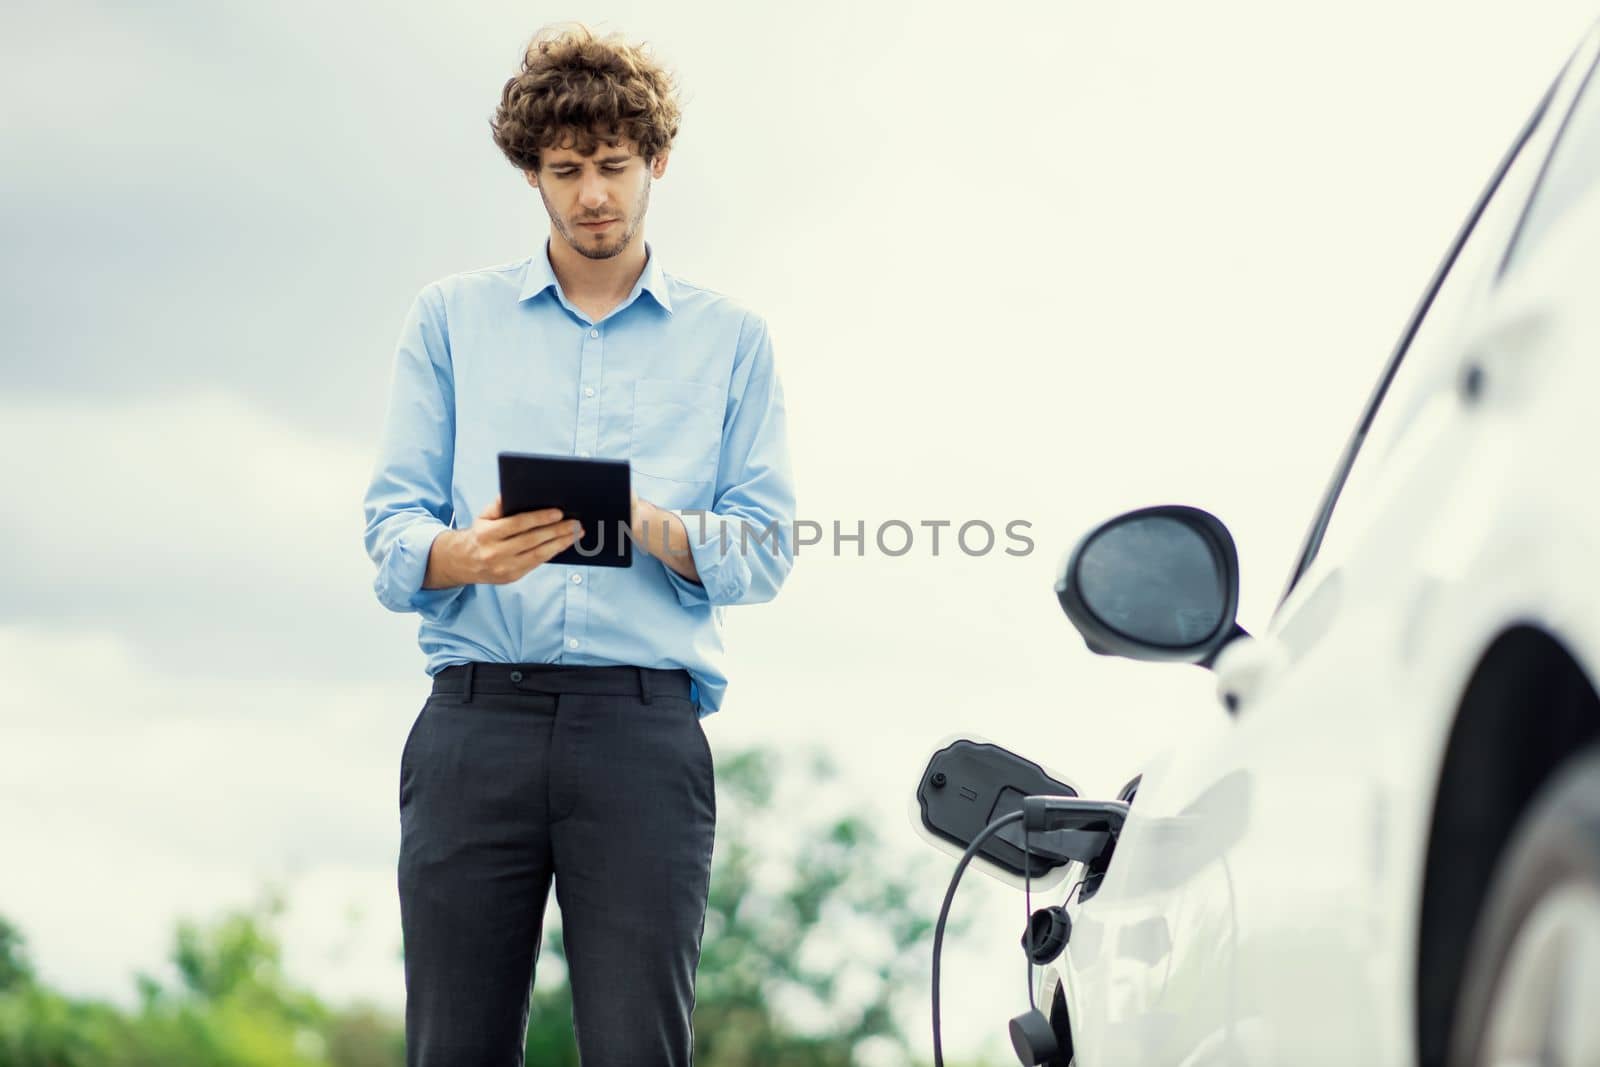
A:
<point x="597" y="492"/>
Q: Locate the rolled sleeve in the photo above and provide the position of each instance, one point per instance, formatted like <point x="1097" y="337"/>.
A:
<point x="742" y="547"/>
<point x="408" y="501"/>
<point x="399" y="580"/>
<point x="724" y="573"/>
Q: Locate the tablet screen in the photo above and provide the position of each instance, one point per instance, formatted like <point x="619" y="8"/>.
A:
<point x="594" y="491"/>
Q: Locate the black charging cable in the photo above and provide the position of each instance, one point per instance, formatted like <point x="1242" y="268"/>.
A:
<point x="1027" y="910"/>
<point x="944" y="914"/>
<point x="1098" y="822"/>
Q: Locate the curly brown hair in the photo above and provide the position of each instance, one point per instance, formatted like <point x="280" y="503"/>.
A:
<point x="583" y="88"/>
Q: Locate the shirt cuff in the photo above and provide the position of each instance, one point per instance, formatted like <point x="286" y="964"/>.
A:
<point x="399" y="580"/>
<point x="714" y="545"/>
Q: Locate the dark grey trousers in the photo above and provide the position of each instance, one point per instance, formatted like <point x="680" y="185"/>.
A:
<point x="599" y="777"/>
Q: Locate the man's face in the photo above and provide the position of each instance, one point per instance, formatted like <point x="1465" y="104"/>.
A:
<point x="597" y="202"/>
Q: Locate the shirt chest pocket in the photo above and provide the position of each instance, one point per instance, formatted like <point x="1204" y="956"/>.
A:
<point x="677" y="430"/>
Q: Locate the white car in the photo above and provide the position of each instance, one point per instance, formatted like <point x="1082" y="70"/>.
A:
<point x="1387" y="850"/>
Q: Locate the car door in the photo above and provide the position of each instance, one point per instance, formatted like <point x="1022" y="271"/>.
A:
<point x="1241" y="921"/>
<point x="1361" y="671"/>
<point x="1338" y="707"/>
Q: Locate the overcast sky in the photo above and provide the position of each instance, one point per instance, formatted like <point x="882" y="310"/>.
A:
<point x="1041" y="262"/>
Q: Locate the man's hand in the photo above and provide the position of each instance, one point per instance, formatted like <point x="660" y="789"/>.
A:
<point x="661" y="534"/>
<point x="497" y="550"/>
<point x="645" y="524"/>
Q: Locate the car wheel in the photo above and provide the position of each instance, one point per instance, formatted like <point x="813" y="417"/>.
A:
<point x="1531" y="992"/>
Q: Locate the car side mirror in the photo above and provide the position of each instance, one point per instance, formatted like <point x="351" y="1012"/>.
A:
<point x="1159" y="583"/>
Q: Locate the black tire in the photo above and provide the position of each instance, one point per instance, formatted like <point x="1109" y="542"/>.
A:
<point x="1554" y="848"/>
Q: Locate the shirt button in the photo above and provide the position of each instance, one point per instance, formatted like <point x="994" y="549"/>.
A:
<point x="572" y="642"/>
<point x="588" y="390"/>
<point x="577" y="579"/>
<point x="594" y="333"/>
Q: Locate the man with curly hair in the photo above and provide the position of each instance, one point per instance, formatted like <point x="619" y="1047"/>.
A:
<point x="562" y="737"/>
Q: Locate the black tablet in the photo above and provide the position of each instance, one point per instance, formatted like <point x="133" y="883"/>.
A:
<point x="596" y="492"/>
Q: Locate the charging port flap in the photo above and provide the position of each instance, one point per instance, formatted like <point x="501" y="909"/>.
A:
<point x="967" y="783"/>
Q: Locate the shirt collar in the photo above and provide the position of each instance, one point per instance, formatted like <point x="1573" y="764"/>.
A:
<point x="540" y="275"/>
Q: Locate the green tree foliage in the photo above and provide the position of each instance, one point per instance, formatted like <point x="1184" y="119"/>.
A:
<point x="232" y="1006"/>
<point x="15" y="971"/>
<point x="813" y="938"/>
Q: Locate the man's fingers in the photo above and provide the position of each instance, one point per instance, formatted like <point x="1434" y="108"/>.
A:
<point x="538" y="537"/>
<point x="550" y="549"/>
<point x="531" y="520"/>
<point x="544" y="552"/>
<point x="516" y="525"/>
<point x="493" y="511"/>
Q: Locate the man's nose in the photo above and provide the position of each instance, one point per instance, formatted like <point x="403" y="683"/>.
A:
<point x="592" y="193"/>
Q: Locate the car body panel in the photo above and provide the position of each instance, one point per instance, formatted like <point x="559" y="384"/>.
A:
<point x="1263" y="903"/>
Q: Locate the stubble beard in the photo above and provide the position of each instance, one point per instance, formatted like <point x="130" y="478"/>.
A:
<point x="634" y="220"/>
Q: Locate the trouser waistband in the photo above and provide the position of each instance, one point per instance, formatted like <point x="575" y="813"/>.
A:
<point x="464" y="679"/>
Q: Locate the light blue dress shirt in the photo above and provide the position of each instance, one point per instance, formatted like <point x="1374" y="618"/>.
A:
<point x="678" y="380"/>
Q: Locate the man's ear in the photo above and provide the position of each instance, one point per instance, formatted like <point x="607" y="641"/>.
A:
<point x="532" y="176"/>
<point x="658" y="165"/>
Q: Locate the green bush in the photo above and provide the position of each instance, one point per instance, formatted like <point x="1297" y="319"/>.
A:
<point x="232" y="1005"/>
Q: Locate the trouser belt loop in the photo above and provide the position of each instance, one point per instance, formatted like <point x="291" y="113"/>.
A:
<point x="466" y="684"/>
<point x="644" y="685"/>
